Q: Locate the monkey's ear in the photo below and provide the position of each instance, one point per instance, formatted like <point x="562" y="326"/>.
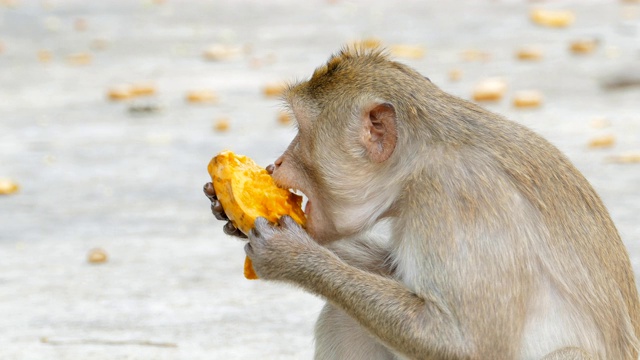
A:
<point x="379" y="133"/>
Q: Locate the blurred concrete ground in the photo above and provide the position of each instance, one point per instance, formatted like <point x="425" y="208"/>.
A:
<point x="94" y="174"/>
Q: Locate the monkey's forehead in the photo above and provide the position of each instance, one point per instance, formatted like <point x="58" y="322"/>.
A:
<point x="350" y="54"/>
<point x="368" y="70"/>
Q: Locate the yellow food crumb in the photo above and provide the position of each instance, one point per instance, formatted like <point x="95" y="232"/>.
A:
<point x="284" y="118"/>
<point x="274" y="89"/>
<point x="222" y="52"/>
<point x="491" y="89"/>
<point x="552" y="18"/>
<point x="80" y="59"/>
<point x="143" y="89"/>
<point x="600" y="123"/>
<point x="527" y="99"/>
<point x="128" y="91"/>
<point x="202" y="96"/>
<point x="529" y="54"/>
<point x="44" y="55"/>
<point x="605" y="141"/>
<point x="407" y="51"/>
<point x="8" y="187"/>
<point x="221" y="124"/>
<point x="475" y="55"/>
<point x="628" y="158"/>
<point x="584" y="46"/>
<point x="97" y="256"/>
<point x="455" y="74"/>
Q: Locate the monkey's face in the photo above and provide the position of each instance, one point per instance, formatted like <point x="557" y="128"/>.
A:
<point x="338" y="160"/>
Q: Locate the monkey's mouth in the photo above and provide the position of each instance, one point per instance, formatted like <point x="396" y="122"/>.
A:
<point x="305" y="201"/>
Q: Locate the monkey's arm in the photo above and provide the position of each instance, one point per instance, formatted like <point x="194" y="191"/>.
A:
<point x="416" y="325"/>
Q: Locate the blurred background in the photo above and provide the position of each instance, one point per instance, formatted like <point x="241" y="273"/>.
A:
<point x="110" y="112"/>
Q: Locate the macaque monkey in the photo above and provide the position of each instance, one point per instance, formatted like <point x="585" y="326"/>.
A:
<point x="497" y="247"/>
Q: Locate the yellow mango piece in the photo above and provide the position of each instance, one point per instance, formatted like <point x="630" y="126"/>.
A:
<point x="604" y="141"/>
<point x="529" y="53"/>
<point x="97" y="256"/>
<point x="8" y="187"/>
<point x="527" y="99"/>
<point x="249" y="273"/>
<point x="202" y="96"/>
<point x="552" y="18"/>
<point x="407" y="51"/>
<point x="491" y="89"/>
<point x="583" y="46"/>
<point x="272" y="90"/>
<point x="246" y="192"/>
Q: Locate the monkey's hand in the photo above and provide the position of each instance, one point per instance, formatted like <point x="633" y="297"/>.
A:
<point x="274" y="250"/>
<point x="218" y="212"/>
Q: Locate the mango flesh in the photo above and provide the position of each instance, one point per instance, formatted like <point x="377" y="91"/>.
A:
<point x="246" y="192"/>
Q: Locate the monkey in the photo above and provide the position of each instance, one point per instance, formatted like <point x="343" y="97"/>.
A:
<point x="493" y="245"/>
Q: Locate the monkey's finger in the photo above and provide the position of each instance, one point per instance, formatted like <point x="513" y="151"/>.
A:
<point x="248" y="250"/>
<point x="287" y="222"/>
<point x="218" y="211"/>
<point x="209" y="191"/>
<point x="229" y="229"/>
<point x="262" y="228"/>
<point x="239" y="234"/>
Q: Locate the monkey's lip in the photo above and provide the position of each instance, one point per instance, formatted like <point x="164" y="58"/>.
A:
<point x="307" y="208"/>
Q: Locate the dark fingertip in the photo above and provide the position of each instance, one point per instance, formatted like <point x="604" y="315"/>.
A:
<point x="209" y="190"/>
<point x="216" y="206"/>
<point x="228" y="228"/>
<point x="220" y="215"/>
<point x="240" y="234"/>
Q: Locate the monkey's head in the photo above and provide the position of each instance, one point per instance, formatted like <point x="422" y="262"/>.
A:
<point x="349" y="152"/>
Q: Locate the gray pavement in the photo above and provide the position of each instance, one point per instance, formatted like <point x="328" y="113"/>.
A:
<point x="93" y="174"/>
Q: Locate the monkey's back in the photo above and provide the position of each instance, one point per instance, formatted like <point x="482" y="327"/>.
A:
<point x="578" y="224"/>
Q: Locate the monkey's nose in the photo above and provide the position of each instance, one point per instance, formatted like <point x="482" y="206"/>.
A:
<point x="270" y="169"/>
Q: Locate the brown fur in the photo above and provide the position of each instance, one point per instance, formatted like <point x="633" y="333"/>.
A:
<point x="496" y="246"/>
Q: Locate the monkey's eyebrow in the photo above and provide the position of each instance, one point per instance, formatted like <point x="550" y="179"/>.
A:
<point x="300" y="115"/>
